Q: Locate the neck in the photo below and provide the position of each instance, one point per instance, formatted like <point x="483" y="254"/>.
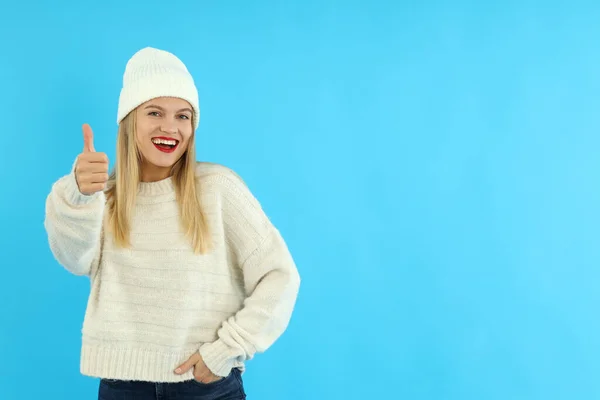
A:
<point x="152" y="173"/>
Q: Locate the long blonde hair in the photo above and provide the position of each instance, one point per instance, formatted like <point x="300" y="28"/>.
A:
<point x="122" y="188"/>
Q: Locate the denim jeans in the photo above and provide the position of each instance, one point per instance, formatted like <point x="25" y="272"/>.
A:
<point x="228" y="388"/>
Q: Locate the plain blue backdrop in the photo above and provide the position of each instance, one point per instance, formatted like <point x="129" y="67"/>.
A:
<point x="433" y="166"/>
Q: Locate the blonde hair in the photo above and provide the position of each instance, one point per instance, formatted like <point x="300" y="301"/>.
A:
<point x="122" y="188"/>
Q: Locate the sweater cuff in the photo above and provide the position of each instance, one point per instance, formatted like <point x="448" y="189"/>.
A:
<point x="72" y="193"/>
<point x="71" y="189"/>
<point x="216" y="357"/>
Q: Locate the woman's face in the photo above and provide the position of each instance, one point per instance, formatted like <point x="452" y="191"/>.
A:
<point x="163" y="131"/>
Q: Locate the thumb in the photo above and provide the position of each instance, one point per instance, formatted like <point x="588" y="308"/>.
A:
<point x="88" y="139"/>
<point x="183" y="368"/>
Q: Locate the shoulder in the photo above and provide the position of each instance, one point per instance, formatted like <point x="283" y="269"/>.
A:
<point x="208" y="171"/>
<point x="221" y="178"/>
<point x="237" y="201"/>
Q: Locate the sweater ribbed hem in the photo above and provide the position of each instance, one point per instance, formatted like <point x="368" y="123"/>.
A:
<point x="133" y="364"/>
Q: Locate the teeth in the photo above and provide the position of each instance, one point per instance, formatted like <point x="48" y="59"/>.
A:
<point x="163" y="141"/>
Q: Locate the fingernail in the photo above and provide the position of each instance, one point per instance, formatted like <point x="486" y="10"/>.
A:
<point x="178" y="370"/>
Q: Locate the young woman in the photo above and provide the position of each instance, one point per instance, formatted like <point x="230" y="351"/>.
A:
<point x="189" y="278"/>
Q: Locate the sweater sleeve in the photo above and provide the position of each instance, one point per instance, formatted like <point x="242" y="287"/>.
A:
<point x="270" y="277"/>
<point x="73" y="224"/>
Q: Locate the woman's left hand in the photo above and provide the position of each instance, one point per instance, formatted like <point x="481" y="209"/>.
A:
<point x="201" y="371"/>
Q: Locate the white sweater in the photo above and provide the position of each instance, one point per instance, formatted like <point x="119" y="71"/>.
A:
<point x="152" y="306"/>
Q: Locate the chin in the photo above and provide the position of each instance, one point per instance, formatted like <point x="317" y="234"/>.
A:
<point x="161" y="159"/>
<point x="164" y="163"/>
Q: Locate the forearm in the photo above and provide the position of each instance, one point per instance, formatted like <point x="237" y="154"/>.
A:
<point x="73" y="224"/>
<point x="272" y="283"/>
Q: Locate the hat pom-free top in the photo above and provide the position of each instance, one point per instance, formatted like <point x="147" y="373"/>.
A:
<point x="152" y="73"/>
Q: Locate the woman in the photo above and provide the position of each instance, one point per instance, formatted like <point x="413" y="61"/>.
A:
<point x="189" y="278"/>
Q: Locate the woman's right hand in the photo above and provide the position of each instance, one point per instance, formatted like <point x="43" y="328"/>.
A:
<point x="91" y="169"/>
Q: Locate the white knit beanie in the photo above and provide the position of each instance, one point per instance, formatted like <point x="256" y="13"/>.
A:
<point x="152" y="73"/>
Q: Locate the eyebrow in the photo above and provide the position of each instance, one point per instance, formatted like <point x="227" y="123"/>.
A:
<point x="162" y="109"/>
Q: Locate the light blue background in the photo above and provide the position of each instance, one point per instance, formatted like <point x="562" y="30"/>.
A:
<point x="433" y="166"/>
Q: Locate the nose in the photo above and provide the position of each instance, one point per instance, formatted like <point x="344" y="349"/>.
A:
<point x="168" y="128"/>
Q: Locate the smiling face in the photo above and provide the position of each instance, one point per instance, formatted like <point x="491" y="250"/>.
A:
<point x="163" y="132"/>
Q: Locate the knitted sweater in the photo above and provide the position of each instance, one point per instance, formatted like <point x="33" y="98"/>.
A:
<point x="153" y="305"/>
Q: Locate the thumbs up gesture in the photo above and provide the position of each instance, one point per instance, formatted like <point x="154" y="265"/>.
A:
<point x="91" y="169"/>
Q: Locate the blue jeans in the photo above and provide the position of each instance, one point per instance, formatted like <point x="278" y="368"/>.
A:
<point x="228" y="388"/>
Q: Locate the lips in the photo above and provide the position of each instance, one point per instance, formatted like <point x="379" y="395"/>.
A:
<point x="165" y="144"/>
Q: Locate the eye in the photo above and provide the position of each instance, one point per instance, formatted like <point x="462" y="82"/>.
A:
<point x="184" y="116"/>
<point x="153" y="113"/>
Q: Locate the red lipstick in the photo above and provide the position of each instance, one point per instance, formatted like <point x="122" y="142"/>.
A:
<point x="165" y="148"/>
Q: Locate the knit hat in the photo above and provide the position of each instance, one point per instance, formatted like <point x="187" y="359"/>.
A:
<point x="152" y="73"/>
